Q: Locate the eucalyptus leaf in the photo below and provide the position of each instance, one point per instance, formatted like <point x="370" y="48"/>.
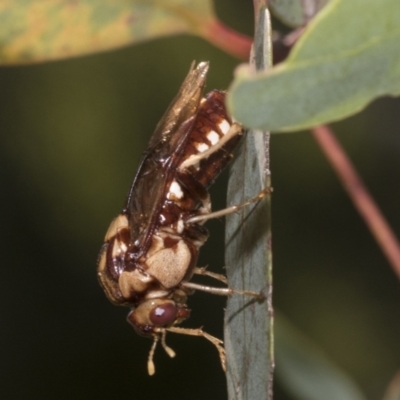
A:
<point x="40" y="30"/>
<point x="305" y="371"/>
<point x="296" y="12"/>
<point x="248" y="322"/>
<point x="348" y="56"/>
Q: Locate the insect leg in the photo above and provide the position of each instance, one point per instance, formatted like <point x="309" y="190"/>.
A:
<point x="234" y="130"/>
<point x="230" y="210"/>
<point x="204" y="271"/>
<point x="219" y="344"/>
<point x="221" y="291"/>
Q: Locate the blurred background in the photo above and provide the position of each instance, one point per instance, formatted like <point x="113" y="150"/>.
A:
<point x="71" y="134"/>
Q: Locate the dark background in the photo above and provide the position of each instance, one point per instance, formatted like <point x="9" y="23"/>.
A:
<point x="71" y="133"/>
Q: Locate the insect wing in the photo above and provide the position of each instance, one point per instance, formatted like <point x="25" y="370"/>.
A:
<point x="183" y="106"/>
<point x="148" y="188"/>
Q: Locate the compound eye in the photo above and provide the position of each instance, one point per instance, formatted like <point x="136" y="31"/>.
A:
<point x="164" y="314"/>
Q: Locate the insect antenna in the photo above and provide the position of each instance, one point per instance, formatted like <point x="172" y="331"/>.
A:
<point x="150" y="363"/>
<point x="168" y="349"/>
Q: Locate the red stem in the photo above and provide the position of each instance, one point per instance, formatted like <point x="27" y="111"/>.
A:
<point x="227" y="39"/>
<point x="362" y="199"/>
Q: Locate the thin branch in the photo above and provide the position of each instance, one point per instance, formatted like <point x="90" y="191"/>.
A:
<point x="239" y="45"/>
<point x="362" y="199"/>
<point x="227" y="39"/>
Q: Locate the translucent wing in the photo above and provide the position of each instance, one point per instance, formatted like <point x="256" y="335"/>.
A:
<point x="148" y="188"/>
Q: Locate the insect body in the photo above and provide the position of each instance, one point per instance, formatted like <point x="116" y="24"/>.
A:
<point x="151" y="248"/>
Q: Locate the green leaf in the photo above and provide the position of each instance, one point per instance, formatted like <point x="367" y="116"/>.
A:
<point x="348" y="56"/>
<point x="249" y="323"/>
<point x="40" y="30"/>
<point x="296" y="13"/>
<point x="305" y="371"/>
